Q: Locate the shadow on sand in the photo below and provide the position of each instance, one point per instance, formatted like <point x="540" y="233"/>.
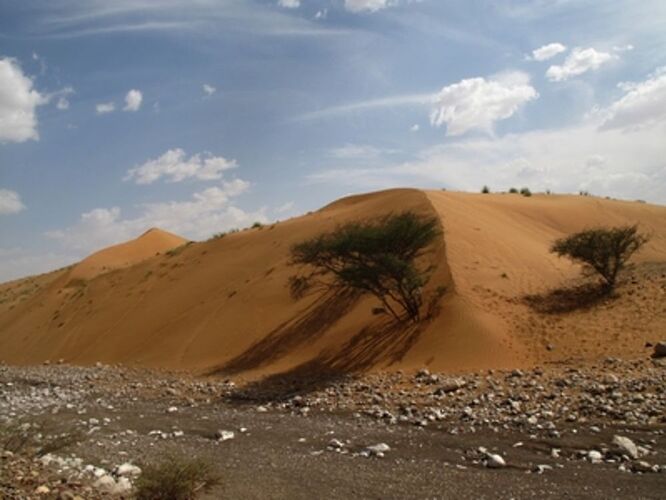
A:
<point x="385" y="341"/>
<point x="565" y="300"/>
<point x="304" y="328"/>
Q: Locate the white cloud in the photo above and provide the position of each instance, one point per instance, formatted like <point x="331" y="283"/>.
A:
<point x="289" y="4"/>
<point x="105" y="107"/>
<point x="286" y="207"/>
<point x="578" y="62"/>
<point x="477" y="103"/>
<point x="356" y="152"/>
<point x="18" y="103"/>
<point x="207" y="212"/>
<point x="17" y="262"/>
<point x="208" y="89"/>
<point x="630" y="165"/>
<point x="133" y="100"/>
<point x="367" y="5"/>
<point x="643" y="105"/>
<point x="62" y="104"/>
<point x="10" y="202"/>
<point x="548" y="51"/>
<point x="176" y="167"/>
<point x="370" y="104"/>
<point x="415" y="128"/>
<point x="321" y="14"/>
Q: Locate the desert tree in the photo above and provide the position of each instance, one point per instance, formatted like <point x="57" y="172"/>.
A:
<point x="602" y="250"/>
<point x="377" y="257"/>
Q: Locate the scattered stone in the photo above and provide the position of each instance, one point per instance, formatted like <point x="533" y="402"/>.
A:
<point x="659" y="350"/>
<point x="223" y="435"/>
<point x="494" y="461"/>
<point x="626" y="446"/>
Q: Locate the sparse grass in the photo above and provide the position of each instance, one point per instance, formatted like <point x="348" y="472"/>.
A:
<point x="176" y="251"/>
<point x="175" y="478"/>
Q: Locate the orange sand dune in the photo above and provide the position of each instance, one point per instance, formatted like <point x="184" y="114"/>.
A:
<point x="150" y="243"/>
<point x="223" y="305"/>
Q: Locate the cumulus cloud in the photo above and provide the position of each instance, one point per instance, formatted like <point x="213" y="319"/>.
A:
<point x="105" y="107"/>
<point x="477" y="103"/>
<point x="289" y="4"/>
<point x="10" y="202"/>
<point x="642" y="105"/>
<point x="174" y="166"/>
<point x="208" y="211"/>
<point x="209" y="89"/>
<point x="18" y="104"/>
<point x="133" y="100"/>
<point x="548" y="51"/>
<point x="367" y="5"/>
<point x="578" y="62"/>
<point x="616" y="163"/>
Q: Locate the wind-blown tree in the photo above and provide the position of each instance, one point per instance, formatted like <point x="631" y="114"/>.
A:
<point x="602" y="250"/>
<point x="377" y="257"/>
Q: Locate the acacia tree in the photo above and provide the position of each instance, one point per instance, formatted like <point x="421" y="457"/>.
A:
<point x="376" y="257"/>
<point x="603" y="250"/>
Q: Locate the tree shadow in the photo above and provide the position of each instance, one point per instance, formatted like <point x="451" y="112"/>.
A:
<point x="304" y="328"/>
<point x="384" y="342"/>
<point x="569" y="299"/>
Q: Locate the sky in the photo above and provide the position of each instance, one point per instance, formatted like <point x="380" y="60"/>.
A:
<point x="200" y="116"/>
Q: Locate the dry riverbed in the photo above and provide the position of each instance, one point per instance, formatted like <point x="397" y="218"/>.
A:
<point x="565" y="431"/>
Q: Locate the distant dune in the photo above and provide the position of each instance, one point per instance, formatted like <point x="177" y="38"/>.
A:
<point x="223" y="305"/>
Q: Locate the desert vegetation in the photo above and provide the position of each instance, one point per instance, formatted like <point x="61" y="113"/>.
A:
<point x="175" y="478"/>
<point x="602" y="250"/>
<point x="377" y="257"/>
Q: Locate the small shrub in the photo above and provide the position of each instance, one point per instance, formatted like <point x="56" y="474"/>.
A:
<point x="485" y="190"/>
<point x="513" y="190"/>
<point x="602" y="250"/>
<point x="257" y="225"/>
<point x="525" y="191"/>
<point x="175" y="478"/>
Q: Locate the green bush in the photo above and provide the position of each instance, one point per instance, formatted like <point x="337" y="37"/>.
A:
<point x="513" y="190"/>
<point x="257" y="225"/>
<point x="602" y="250"/>
<point x="376" y="257"/>
<point x="485" y="190"/>
<point x="175" y="478"/>
<point x="525" y="191"/>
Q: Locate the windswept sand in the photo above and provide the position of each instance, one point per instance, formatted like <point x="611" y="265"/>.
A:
<point x="224" y="306"/>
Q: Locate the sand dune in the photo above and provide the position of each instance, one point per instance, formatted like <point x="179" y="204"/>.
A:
<point x="223" y="305"/>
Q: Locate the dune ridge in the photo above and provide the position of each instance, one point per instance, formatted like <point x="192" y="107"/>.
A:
<point x="222" y="306"/>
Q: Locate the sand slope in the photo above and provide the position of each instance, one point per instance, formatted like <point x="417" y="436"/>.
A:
<point x="224" y="306"/>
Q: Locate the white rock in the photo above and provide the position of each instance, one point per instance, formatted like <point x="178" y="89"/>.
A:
<point x="172" y="409"/>
<point x="626" y="445"/>
<point x="123" y="485"/>
<point x="106" y="483"/>
<point x="336" y="444"/>
<point x="594" y="456"/>
<point x="128" y="469"/>
<point x="223" y="435"/>
<point x="495" y="461"/>
<point x="378" y="448"/>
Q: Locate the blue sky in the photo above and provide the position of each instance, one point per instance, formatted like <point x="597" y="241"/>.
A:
<point x="205" y="115"/>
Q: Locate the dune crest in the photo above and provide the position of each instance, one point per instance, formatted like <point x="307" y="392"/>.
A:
<point x="149" y="244"/>
<point x="223" y="306"/>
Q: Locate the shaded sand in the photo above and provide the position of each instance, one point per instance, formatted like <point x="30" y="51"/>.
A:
<point x="223" y="306"/>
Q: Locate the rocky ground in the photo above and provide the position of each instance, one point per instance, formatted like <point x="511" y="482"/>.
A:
<point x="563" y="431"/>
